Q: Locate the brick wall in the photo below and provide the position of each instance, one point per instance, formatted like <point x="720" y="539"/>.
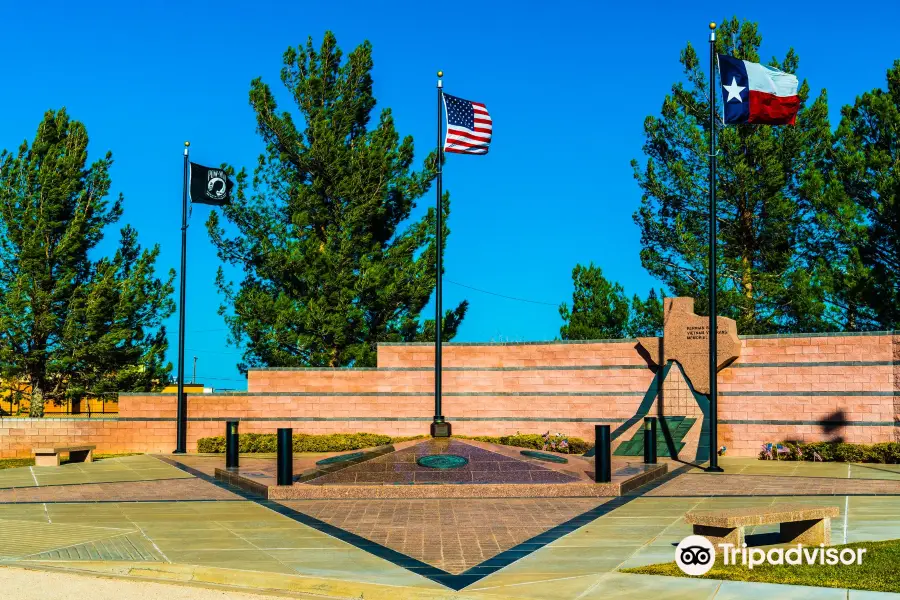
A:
<point x="531" y="354"/>
<point x="787" y="387"/>
<point x="811" y="388"/>
<point x="19" y="436"/>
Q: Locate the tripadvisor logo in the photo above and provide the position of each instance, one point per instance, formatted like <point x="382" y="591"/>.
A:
<point x="695" y="555"/>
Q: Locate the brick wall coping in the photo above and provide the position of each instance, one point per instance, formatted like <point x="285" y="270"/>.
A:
<point x="430" y="369"/>
<point x="815" y="335"/>
<point x="598" y="419"/>
<point x="539" y="343"/>
<point x="413" y="394"/>
<point x="624" y="340"/>
<point x="494" y="394"/>
<point x="821" y="363"/>
<point x="354" y="369"/>
<point x="817" y="363"/>
<point x="55" y="419"/>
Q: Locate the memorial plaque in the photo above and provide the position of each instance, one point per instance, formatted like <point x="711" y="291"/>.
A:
<point x="686" y="340"/>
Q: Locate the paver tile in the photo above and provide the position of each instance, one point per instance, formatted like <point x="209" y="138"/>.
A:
<point x="738" y="590"/>
<point x="453" y="535"/>
<point x="22" y="538"/>
<point x="620" y="585"/>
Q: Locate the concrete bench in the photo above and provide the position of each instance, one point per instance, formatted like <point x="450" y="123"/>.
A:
<point x="49" y="457"/>
<point x="800" y="523"/>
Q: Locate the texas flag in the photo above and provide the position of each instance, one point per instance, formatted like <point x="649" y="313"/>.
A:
<point x="753" y="93"/>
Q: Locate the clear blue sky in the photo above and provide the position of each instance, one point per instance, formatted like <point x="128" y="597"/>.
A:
<point x="568" y="85"/>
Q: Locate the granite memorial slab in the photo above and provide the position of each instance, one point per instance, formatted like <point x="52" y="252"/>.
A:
<point x="686" y="340"/>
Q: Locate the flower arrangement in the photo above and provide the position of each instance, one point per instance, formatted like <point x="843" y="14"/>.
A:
<point x="557" y="442"/>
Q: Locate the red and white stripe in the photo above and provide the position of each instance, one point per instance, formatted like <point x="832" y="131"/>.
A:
<point x="773" y="95"/>
<point x="463" y="140"/>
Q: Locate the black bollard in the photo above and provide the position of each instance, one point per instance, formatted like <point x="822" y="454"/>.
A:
<point x="602" y="455"/>
<point x="231" y="445"/>
<point x="650" y="440"/>
<point x="285" y="456"/>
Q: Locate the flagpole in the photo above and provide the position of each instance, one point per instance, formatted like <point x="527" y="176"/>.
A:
<point x="181" y="417"/>
<point x="713" y="325"/>
<point x="439" y="427"/>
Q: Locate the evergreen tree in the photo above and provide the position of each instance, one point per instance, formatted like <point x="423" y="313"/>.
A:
<point x="116" y="320"/>
<point x="646" y="318"/>
<point x="600" y="309"/>
<point x="863" y="208"/>
<point x="70" y="326"/>
<point x="328" y="271"/>
<point x="769" y="277"/>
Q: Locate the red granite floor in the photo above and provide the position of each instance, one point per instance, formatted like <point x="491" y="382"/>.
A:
<point x="482" y="466"/>
<point x="453" y="535"/>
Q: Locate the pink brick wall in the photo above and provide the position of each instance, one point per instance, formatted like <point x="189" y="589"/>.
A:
<point x="19" y="436"/>
<point x="345" y="381"/>
<point x="511" y="355"/>
<point x="816" y="369"/>
<point x="780" y="388"/>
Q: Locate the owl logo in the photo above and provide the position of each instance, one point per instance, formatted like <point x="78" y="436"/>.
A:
<point x="695" y="555"/>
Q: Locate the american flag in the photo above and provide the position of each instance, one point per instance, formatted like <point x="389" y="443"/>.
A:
<point x="468" y="126"/>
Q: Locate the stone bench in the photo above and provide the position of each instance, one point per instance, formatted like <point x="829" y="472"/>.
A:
<point x="800" y="523"/>
<point x="49" y="457"/>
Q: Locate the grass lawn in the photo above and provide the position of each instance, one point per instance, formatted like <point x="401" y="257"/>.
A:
<point x="879" y="571"/>
<point x="12" y="463"/>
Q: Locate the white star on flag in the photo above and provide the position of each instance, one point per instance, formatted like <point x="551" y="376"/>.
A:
<point x="734" y="90"/>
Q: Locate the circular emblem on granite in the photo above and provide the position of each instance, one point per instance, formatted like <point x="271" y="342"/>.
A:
<point x="544" y="456"/>
<point x="340" y="458"/>
<point x="443" y="461"/>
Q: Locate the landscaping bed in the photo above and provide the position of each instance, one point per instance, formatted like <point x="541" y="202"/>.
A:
<point x="884" y="453"/>
<point x="254" y="443"/>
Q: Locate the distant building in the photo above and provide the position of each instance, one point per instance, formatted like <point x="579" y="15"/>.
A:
<point x="189" y="388"/>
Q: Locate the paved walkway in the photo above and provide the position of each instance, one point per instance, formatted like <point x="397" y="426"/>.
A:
<point x="171" y="525"/>
<point x="23" y="584"/>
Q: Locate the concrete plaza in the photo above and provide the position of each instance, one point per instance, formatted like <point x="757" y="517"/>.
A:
<point x="152" y="518"/>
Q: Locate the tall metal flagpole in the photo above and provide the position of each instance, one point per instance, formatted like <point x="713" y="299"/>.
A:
<point x="439" y="427"/>
<point x="713" y="326"/>
<point x="181" y="417"/>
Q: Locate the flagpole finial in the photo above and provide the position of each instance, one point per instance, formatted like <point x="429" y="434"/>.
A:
<point x="440" y="73"/>
<point x="440" y="83"/>
<point x="712" y="25"/>
<point x="186" y="144"/>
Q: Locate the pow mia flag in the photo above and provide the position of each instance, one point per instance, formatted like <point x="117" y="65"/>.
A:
<point x="210" y="186"/>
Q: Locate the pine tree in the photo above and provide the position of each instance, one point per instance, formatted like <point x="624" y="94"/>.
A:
<point x="328" y="268"/>
<point x="646" y="318"/>
<point x="117" y="320"/>
<point x="863" y="208"/>
<point x="600" y="309"/>
<point x="70" y="326"/>
<point x="769" y="278"/>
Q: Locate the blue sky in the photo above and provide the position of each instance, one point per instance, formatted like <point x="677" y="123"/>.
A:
<point x="568" y="85"/>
